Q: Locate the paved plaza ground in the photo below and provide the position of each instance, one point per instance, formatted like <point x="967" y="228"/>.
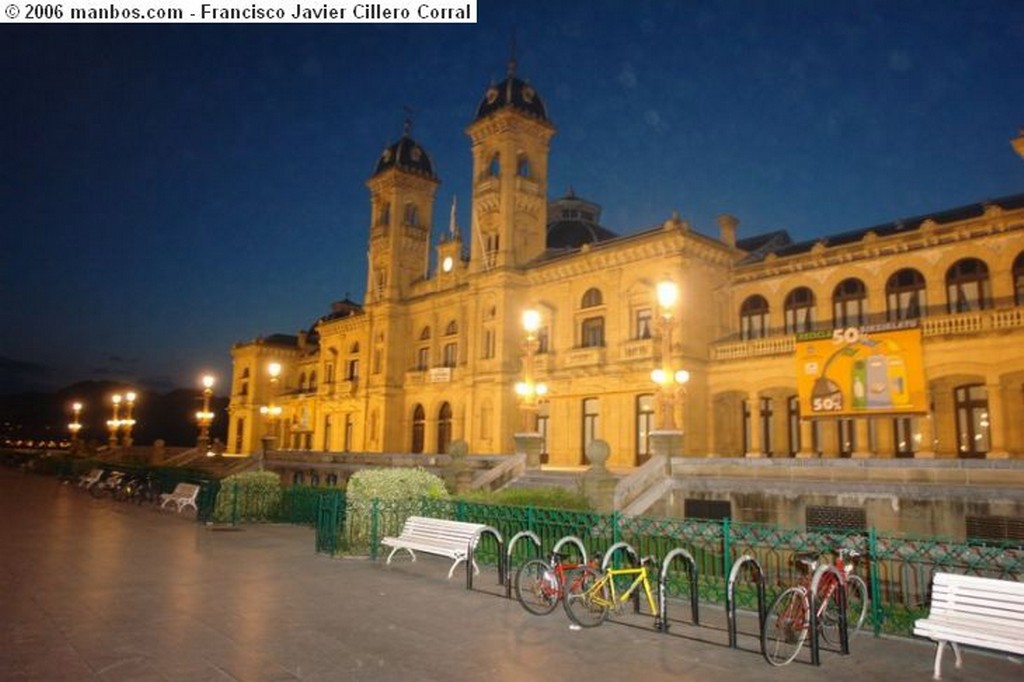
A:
<point x="100" y="590"/>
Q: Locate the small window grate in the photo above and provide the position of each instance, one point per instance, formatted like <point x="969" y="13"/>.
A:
<point x="995" y="528"/>
<point x="841" y="518"/>
<point x="707" y="509"/>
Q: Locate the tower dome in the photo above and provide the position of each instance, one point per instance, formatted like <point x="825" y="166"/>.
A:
<point x="407" y="155"/>
<point x="512" y="92"/>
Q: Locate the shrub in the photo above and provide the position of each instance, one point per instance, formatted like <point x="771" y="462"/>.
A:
<point x="249" y="496"/>
<point x="394" y="489"/>
<point x="547" y="497"/>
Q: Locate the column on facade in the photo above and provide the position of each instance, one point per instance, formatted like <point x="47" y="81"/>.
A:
<point x="829" y="442"/>
<point x="943" y="421"/>
<point x="885" y="440"/>
<point x="806" y="439"/>
<point x="924" y="442"/>
<point x="754" y="447"/>
<point x="861" y="438"/>
<point x="997" y="422"/>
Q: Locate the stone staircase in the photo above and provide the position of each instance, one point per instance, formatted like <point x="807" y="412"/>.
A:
<point x="548" y="478"/>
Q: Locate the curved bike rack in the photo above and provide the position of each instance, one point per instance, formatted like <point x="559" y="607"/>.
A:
<point x="524" y="534"/>
<point x="840" y="596"/>
<point x="635" y="561"/>
<point x="486" y="530"/>
<point x="572" y="540"/>
<point x="691" y="569"/>
<point x="730" y="595"/>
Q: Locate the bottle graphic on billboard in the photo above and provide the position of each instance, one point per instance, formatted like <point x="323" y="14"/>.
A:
<point x="878" y="382"/>
<point x="859" y="385"/>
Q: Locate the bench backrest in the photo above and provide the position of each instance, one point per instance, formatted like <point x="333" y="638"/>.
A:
<point x="989" y="601"/>
<point x="458" y="532"/>
<point x="185" y="490"/>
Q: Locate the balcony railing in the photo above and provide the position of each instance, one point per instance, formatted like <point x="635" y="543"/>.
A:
<point x="974" y="322"/>
<point x="581" y="357"/>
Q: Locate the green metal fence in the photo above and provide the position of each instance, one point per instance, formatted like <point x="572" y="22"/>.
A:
<point x="897" y="569"/>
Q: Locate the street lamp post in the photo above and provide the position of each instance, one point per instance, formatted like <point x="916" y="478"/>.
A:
<point x="528" y="440"/>
<point x="205" y="416"/>
<point x="76" y="425"/>
<point x="270" y="412"/>
<point x="114" y="423"/>
<point x="128" y="422"/>
<point x="670" y="380"/>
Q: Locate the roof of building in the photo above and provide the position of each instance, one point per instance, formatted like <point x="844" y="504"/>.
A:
<point x="760" y="246"/>
<point x="512" y="92"/>
<point x="406" y="155"/>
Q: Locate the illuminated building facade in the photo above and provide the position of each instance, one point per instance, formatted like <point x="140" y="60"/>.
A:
<point x="435" y="349"/>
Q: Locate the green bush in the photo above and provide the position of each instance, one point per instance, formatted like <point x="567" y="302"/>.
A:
<point x="548" y="498"/>
<point x="249" y="496"/>
<point x="391" y="488"/>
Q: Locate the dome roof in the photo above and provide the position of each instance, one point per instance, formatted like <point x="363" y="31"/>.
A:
<point x="514" y="93"/>
<point x="405" y="155"/>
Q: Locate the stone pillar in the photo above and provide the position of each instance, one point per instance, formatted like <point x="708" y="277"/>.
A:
<point x="754" y="447"/>
<point x="531" y="445"/>
<point x="997" y="423"/>
<point x="829" y="438"/>
<point x="861" y="439"/>
<point x="806" y="439"/>
<point x="599" y="483"/>
<point x="924" y="441"/>
<point x="885" y="443"/>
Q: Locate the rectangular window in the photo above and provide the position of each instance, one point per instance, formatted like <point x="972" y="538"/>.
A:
<point x="767" y="426"/>
<point x="376" y="361"/>
<point x="423" y="358"/>
<point x="847" y="437"/>
<point x="793" y="419"/>
<point x="543" y="340"/>
<point x="353" y="370"/>
<point x="450" y="354"/>
<point x="488" y="349"/>
<point x="591" y="424"/>
<point x="903" y="436"/>
<point x="327" y="433"/>
<point x="349" y="429"/>
<point x="644" y="323"/>
<point x="592" y="333"/>
<point x="239" y="434"/>
<point x="644" y="426"/>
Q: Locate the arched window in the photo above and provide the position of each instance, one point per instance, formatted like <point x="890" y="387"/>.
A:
<point x="523" y="168"/>
<point x="444" y="428"/>
<point x="419" y="420"/>
<point x="968" y="286"/>
<point x="384" y="217"/>
<point x="494" y="167"/>
<point x="354" y="348"/>
<point x="592" y="298"/>
<point x="1018" y="279"/>
<point x="425" y="334"/>
<point x="452" y="328"/>
<point x="849" y="303"/>
<point x="754" y="317"/>
<point x="799" y="307"/>
<point x="905" y="295"/>
<point x="312" y="380"/>
<point x="302" y="381"/>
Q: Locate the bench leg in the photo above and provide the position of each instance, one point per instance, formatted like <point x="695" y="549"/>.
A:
<point x="938" y="658"/>
<point x="395" y="549"/>
<point x="451" y="571"/>
<point x="956" y="652"/>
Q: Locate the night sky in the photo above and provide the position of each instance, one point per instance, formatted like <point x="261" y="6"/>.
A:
<point x="168" y="191"/>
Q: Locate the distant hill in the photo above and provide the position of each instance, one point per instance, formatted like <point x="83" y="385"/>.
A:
<point x="169" y="416"/>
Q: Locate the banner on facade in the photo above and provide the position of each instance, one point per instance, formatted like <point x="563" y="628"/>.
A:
<point x="861" y="371"/>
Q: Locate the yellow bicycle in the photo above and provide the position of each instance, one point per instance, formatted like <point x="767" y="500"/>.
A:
<point x="590" y="595"/>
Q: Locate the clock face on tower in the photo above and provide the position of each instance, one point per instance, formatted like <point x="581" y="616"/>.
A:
<point x="447" y="264"/>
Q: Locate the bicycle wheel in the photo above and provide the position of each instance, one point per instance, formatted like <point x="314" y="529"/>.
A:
<point x="587" y="597"/>
<point x="856" y="611"/>
<point x="785" y="626"/>
<point x="537" y="587"/>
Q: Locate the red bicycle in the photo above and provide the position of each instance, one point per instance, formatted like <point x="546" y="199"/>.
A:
<point x="789" y="618"/>
<point x="540" y="584"/>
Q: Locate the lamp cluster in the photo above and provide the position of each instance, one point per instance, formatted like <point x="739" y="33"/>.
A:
<point x="668" y="378"/>
<point x="124" y="424"/>
<point x="529" y="390"/>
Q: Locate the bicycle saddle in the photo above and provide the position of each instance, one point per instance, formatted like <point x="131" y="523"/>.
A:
<point x="806" y="561"/>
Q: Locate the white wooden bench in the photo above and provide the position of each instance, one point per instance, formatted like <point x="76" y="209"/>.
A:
<point x="981" y="612"/>
<point x="88" y="480"/>
<point x="183" y="495"/>
<point x="442" y="537"/>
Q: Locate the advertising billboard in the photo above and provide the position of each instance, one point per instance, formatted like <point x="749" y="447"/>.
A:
<point x="861" y="371"/>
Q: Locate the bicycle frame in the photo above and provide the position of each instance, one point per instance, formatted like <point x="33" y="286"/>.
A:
<point x="639" y="577"/>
